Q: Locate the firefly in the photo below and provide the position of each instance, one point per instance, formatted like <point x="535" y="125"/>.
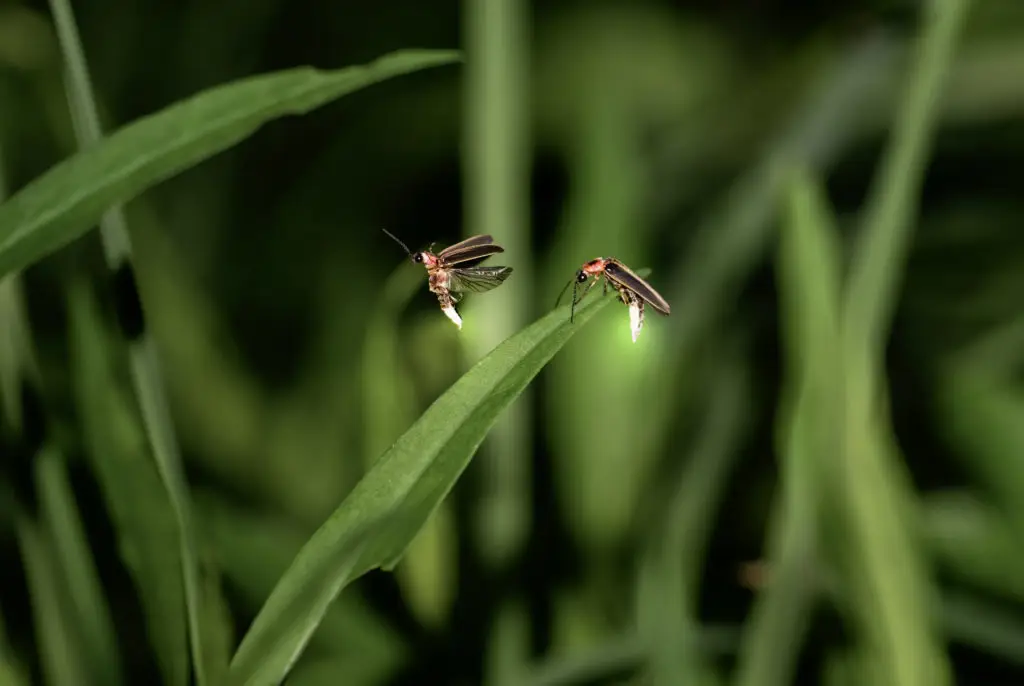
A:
<point x="633" y="291"/>
<point x="448" y="281"/>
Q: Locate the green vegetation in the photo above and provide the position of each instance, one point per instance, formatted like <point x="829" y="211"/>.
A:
<point x="279" y="463"/>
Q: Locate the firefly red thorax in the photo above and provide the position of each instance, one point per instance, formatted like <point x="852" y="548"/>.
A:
<point x="448" y="281"/>
<point x="633" y="291"/>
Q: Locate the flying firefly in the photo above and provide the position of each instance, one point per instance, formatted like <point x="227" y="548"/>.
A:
<point x="633" y="291"/>
<point x="448" y="281"/>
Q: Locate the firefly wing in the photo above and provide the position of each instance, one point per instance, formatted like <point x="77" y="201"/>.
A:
<point x="471" y="242"/>
<point x="477" y="279"/>
<point x="623" y="275"/>
<point x="473" y="253"/>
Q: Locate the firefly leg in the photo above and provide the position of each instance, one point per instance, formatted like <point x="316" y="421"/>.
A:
<point x="625" y="296"/>
<point x="576" y="300"/>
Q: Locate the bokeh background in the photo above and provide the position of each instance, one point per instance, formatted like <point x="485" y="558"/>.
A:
<point x="298" y="343"/>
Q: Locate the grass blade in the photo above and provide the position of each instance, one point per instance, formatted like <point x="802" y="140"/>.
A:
<point x="294" y="612"/>
<point x="889" y="217"/>
<point x="890" y="587"/>
<point x="668" y="591"/>
<point x="426" y="576"/>
<point x="137" y="502"/>
<point x="397" y="496"/>
<point x="145" y="372"/>
<point x="984" y="626"/>
<point x="87" y="606"/>
<point x="12" y="672"/>
<point x="627" y="654"/>
<point x="496" y="164"/>
<point x="255" y="550"/>
<point x="975" y="544"/>
<point x="67" y="200"/>
<point x="62" y="653"/>
<point x="979" y="414"/>
<point x="733" y="236"/>
<point x="809" y="433"/>
<point x="218" y="626"/>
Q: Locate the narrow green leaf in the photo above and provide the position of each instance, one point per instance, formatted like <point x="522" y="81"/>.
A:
<point x="298" y="609"/>
<point x="985" y="626"/>
<point x="218" y="634"/>
<point x="668" y="588"/>
<point x="975" y="543"/>
<point x="12" y="671"/>
<point x="496" y="151"/>
<point x="68" y="199"/>
<point x="333" y="670"/>
<point x="626" y="654"/>
<point x="888" y="221"/>
<point x="137" y="502"/>
<point x="399" y="493"/>
<point x="979" y="414"/>
<point x="87" y="607"/>
<point x="389" y="403"/>
<point x="62" y="654"/>
<point x="255" y="549"/>
<point x="143" y="361"/>
<point x="426" y="576"/>
<point x="809" y="432"/>
<point x="731" y="238"/>
<point x="891" y="591"/>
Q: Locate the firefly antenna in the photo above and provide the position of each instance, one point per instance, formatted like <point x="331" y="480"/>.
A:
<point x="397" y="240"/>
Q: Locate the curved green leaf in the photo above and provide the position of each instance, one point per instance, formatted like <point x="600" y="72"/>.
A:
<point x="383" y="513"/>
<point x="67" y="200"/>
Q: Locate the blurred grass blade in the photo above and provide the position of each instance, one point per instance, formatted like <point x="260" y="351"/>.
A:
<point x="427" y="575"/>
<point x="254" y="550"/>
<point x="87" y="607"/>
<point x="218" y="634"/>
<point x="389" y="403"/>
<point x="845" y="667"/>
<point x="625" y="655"/>
<point x="388" y="507"/>
<point x="496" y="175"/>
<point x="292" y="613"/>
<point x="980" y="415"/>
<point x="508" y="644"/>
<point x="888" y="219"/>
<point x="735" y="233"/>
<point x="668" y="594"/>
<point x="975" y="545"/>
<point x="62" y="655"/>
<point x="809" y="432"/>
<point x="892" y="594"/>
<point x="12" y="672"/>
<point x="137" y="502"/>
<point x="68" y="199"/>
<point x="984" y="626"/>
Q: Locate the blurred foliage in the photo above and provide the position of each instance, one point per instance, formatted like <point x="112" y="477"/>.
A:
<point x="812" y="471"/>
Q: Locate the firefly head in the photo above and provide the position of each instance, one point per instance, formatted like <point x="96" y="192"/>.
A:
<point x="581" y="276"/>
<point x="418" y="258"/>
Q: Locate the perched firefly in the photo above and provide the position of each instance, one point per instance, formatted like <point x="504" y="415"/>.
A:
<point x="633" y="291"/>
<point x="448" y="281"/>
